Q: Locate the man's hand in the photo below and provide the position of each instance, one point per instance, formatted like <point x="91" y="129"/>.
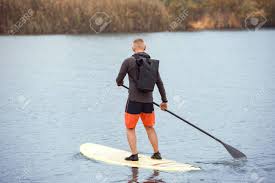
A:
<point x="120" y="83"/>
<point x="163" y="106"/>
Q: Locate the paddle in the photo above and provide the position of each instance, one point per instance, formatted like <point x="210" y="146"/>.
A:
<point x="235" y="153"/>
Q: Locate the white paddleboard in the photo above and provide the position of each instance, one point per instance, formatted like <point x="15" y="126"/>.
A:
<point x="116" y="156"/>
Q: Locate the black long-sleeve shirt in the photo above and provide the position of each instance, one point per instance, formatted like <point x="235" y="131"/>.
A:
<point x="128" y="67"/>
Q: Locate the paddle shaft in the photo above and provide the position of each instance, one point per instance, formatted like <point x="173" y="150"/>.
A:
<point x="215" y="138"/>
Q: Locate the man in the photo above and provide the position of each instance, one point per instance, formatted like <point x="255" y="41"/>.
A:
<point x="139" y="103"/>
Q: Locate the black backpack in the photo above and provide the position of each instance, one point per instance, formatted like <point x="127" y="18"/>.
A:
<point x="147" y="73"/>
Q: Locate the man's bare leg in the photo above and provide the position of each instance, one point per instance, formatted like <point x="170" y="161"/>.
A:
<point x="132" y="140"/>
<point x="152" y="135"/>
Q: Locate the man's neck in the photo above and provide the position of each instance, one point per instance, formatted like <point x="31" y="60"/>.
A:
<point x="139" y="51"/>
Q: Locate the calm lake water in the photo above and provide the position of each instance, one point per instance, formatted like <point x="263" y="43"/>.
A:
<point x="58" y="92"/>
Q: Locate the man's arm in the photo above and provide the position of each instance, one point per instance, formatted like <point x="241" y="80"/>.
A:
<point x="122" y="73"/>
<point x="161" y="89"/>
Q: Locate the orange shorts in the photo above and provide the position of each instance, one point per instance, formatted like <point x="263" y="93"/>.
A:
<point x="136" y="110"/>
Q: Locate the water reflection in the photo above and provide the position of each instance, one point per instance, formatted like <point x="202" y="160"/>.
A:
<point x="151" y="179"/>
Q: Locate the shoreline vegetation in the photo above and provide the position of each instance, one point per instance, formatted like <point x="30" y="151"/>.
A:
<point x="129" y="16"/>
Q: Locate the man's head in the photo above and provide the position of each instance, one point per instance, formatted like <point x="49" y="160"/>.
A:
<point x="138" y="45"/>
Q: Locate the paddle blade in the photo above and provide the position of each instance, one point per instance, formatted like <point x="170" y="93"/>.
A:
<point x="235" y="153"/>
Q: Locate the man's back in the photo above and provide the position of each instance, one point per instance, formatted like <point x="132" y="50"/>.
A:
<point x="129" y="67"/>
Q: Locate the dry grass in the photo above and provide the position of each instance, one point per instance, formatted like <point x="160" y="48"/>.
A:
<point x="73" y="16"/>
<point x="220" y="14"/>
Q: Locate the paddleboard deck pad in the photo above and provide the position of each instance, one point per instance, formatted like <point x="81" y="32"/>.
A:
<point x="116" y="157"/>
